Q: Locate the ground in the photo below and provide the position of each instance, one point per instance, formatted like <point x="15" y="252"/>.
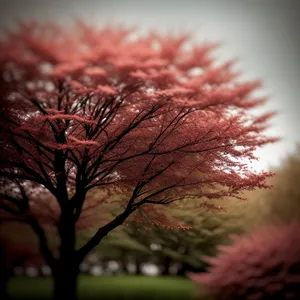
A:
<point x="116" y="288"/>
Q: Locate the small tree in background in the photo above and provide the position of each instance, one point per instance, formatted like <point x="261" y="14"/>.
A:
<point x="281" y="203"/>
<point x="203" y="232"/>
<point x="148" y="118"/>
<point x="125" y="247"/>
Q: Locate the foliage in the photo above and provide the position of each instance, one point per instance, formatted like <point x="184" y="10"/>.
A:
<point x="282" y="202"/>
<point x="203" y="230"/>
<point x="263" y="265"/>
<point x="146" y="119"/>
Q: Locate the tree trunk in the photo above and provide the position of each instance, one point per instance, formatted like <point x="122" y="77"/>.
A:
<point x="66" y="268"/>
<point x="183" y="269"/>
<point x="166" y="264"/>
<point x="4" y="278"/>
<point x="123" y="262"/>
<point x="138" y="265"/>
<point x="66" y="271"/>
<point x="184" y="266"/>
<point x="5" y="274"/>
<point x="65" y="281"/>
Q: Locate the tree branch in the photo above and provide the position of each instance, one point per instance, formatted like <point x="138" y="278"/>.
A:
<point x="42" y="240"/>
<point x="101" y="233"/>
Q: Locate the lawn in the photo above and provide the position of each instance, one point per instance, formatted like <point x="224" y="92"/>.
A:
<point x="117" y="288"/>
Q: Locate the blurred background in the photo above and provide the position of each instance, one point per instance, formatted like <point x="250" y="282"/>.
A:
<point x="263" y="35"/>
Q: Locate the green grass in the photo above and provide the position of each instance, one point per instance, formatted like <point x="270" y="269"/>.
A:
<point x="117" y="288"/>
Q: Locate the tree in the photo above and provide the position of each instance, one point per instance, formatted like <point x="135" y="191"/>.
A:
<point x="204" y="231"/>
<point x="124" y="246"/>
<point x="145" y="119"/>
<point x="282" y="203"/>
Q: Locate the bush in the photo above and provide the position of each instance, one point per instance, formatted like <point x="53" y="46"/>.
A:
<point x="263" y="265"/>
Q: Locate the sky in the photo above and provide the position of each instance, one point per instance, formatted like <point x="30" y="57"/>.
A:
<point x="263" y="35"/>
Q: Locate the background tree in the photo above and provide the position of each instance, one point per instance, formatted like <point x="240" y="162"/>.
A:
<point x="145" y="118"/>
<point x="282" y="202"/>
<point x="18" y="244"/>
<point x="125" y="247"/>
<point x="185" y="246"/>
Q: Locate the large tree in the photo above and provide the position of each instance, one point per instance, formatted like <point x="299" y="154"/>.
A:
<point x="150" y="118"/>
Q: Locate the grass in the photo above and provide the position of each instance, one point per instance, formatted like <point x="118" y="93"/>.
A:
<point x="116" y="288"/>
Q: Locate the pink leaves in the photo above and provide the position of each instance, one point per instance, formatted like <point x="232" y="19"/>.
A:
<point x="95" y="72"/>
<point x="93" y="65"/>
<point x="175" y="91"/>
<point x="77" y="85"/>
<point x="105" y="89"/>
<point x="67" y="117"/>
<point x="152" y="110"/>
<point x="139" y="74"/>
<point x="153" y="63"/>
<point x="254" y="263"/>
<point x="66" y="69"/>
<point x="84" y="142"/>
<point x="199" y="56"/>
<point x="99" y="89"/>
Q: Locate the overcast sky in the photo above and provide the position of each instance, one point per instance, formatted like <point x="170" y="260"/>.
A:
<point x="262" y="34"/>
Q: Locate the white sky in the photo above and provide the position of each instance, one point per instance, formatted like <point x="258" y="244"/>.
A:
<point x="262" y="34"/>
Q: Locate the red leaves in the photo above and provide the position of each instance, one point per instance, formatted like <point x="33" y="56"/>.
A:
<point x="153" y="117"/>
<point x="175" y="91"/>
<point x="66" y="117"/>
<point x="66" y="69"/>
<point x="95" y="72"/>
<point x="105" y="89"/>
<point x="85" y="142"/>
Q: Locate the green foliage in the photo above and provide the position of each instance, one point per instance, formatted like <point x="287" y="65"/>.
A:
<point x="281" y="203"/>
<point x="208" y="229"/>
<point x="284" y="199"/>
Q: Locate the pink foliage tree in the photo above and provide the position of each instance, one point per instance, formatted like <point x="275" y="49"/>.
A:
<point x="263" y="265"/>
<point x="147" y="118"/>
